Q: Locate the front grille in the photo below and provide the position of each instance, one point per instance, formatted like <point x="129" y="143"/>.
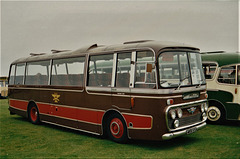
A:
<point x="184" y="121"/>
<point x="190" y="120"/>
<point x="191" y="114"/>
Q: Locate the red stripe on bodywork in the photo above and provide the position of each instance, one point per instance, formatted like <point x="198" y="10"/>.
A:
<point x="18" y="104"/>
<point x="90" y="116"/>
<point x="43" y="108"/>
<point x="138" y="122"/>
<point x="84" y="115"/>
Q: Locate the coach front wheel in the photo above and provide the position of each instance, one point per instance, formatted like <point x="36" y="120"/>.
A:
<point x="117" y="129"/>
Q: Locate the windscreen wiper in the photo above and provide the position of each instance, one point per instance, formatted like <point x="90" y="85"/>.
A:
<point x="200" y="83"/>
<point x="181" y="81"/>
<point x="161" y="82"/>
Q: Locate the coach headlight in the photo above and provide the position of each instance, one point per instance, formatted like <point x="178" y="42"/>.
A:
<point x="176" y="123"/>
<point x="179" y="112"/>
<point x="204" y="116"/>
<point x="205" y="106"/>
<point x="172" y="114"/>
<point x="202" y="108"/>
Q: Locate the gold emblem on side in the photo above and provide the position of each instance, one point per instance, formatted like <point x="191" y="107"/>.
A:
<point x="56" y="97"/>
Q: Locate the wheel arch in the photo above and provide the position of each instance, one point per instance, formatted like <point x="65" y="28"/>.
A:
<point x="219" y="104"/>
<point x="31" y="103"/>
<point x="107" y="115"/>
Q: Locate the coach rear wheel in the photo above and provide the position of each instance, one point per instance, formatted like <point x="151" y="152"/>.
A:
<point x="116" y="129"/>
<point x="33" y="115"/>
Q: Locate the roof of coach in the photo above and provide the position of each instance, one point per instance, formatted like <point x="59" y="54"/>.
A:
<point x="94" y="48"/>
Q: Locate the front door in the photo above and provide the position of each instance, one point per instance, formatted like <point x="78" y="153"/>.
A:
<point x="121" y="92"/>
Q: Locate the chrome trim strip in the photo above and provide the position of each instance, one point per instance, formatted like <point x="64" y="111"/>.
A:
<point x="71" y="127"/>
<point x="138" y="115"/>
<point x="114" y="70"/>
<point x="133" y="67"/>
<point x="48" y="89"/>
<point x="98" y="89"/>
<point x="180" y="133"/>
<point x="139" y="128"/>
<point x="140" y="91"/>
<point x="187" y="104"/>
<point x="157" y="97"/>
<point x="146" y="90"/>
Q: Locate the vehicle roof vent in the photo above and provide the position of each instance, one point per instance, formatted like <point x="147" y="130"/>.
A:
<point x="92" y="46"/>
<point x="137" y="41"/>
<point x="54" y="51"/>
<point x="88" y="47"/>
<point x="37" y="54"/>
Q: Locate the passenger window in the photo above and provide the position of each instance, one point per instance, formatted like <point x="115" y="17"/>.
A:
<point x="20" y="69"/>
<point x="68" y="72"/>
<point x="37" y="73"/>
<point x="238" y="77"/>
<point x="209" y="70"/>
<point x="144" y="78"/>
<point x="123" y="69"/>
<point x="100" y="70"/>
<point x="227" y="75"/>
<point x="12" y="74"/>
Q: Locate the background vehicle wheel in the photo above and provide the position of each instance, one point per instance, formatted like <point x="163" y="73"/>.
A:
<point x="117" y="129"/>
<point x="33" y="114"/>
<point x="215" y="114"/>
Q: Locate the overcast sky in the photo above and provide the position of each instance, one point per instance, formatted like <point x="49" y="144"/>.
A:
<point x="31" y="26"/>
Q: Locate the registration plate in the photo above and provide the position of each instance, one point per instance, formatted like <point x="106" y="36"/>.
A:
<point x="192" y="130"/>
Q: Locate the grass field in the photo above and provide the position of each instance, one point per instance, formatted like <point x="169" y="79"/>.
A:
<point x="21" y="139"/>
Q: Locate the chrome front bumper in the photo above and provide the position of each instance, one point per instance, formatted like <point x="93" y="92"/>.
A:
<point x="183" y="132"/>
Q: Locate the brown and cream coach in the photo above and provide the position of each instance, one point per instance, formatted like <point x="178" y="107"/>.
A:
<point x="136" y="90"/>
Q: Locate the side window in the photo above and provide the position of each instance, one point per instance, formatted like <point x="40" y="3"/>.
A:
<point x="100" y="70"/>
<point x="20" y="69"/>
<point x="123" y="69"/>
<point x="145" y="78"/>
<point x="238" y="76"/>
<point x="1" y="84"/>
<point x="227" y="75"/>
<point x="209" y="70"/>
<point x="37" y="73"/>
<point x="12" y="74"/>
<point x="68" y="72"/>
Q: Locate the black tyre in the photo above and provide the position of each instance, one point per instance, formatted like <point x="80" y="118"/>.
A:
<point x="33" y="114"/>
<point x="116" y="128"/>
